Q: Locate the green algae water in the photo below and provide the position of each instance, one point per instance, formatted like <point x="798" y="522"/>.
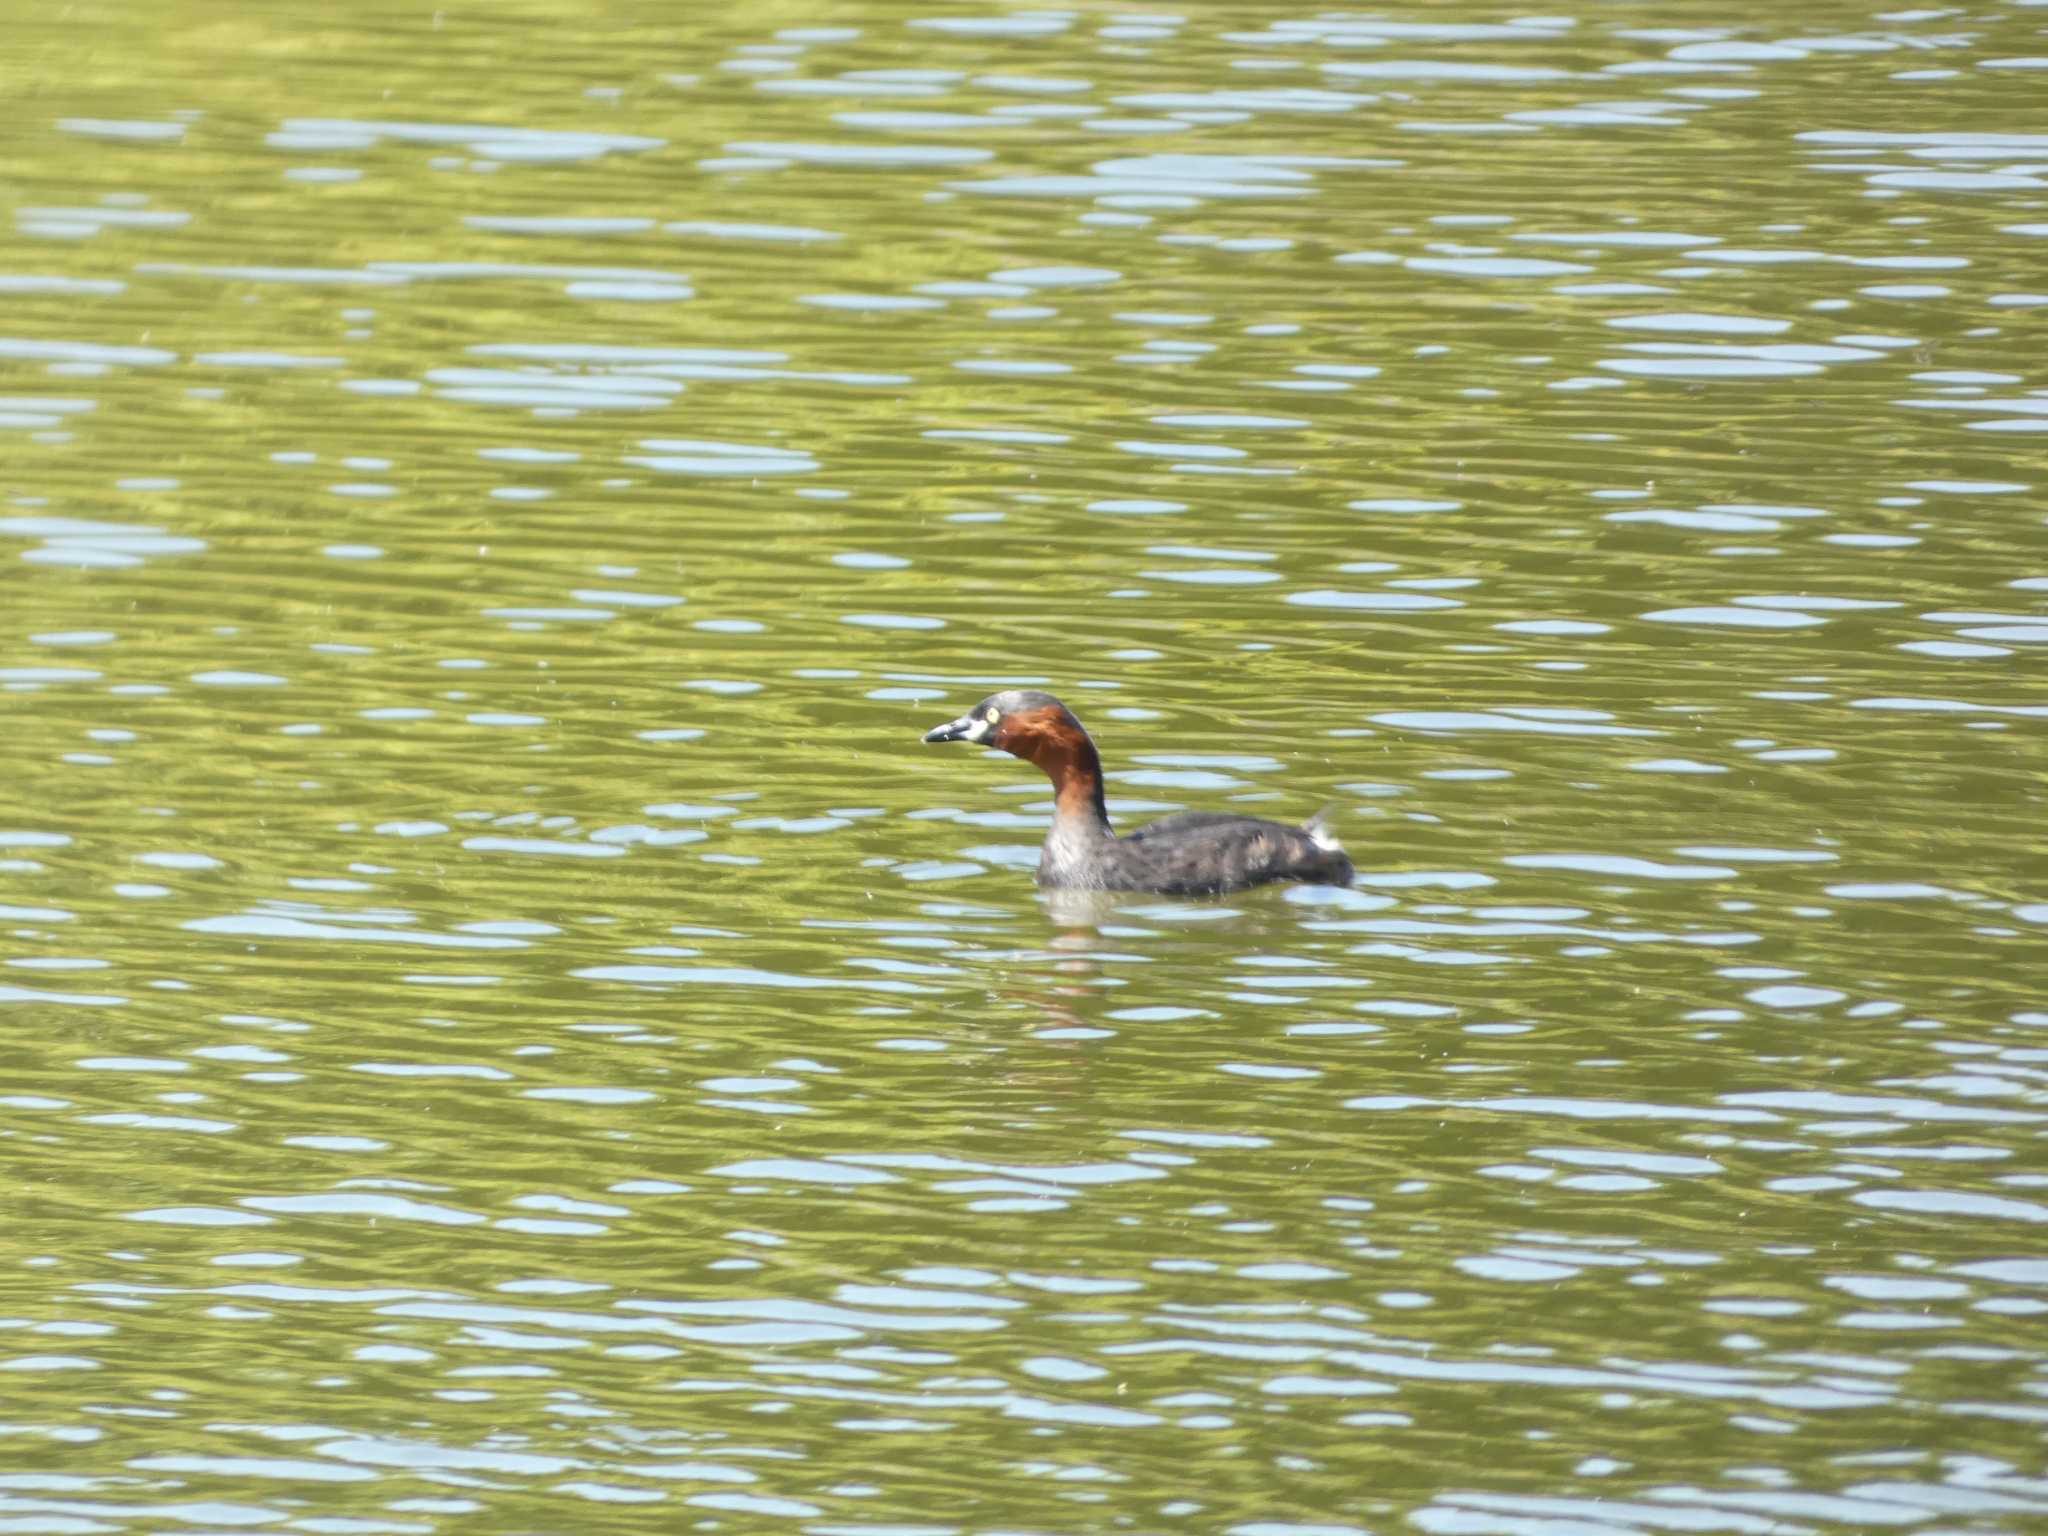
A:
<point x="507" y="1029"/>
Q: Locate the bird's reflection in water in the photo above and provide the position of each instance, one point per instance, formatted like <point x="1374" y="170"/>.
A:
<point x="1089" y="917"/>
<point x="1096" y="931"/>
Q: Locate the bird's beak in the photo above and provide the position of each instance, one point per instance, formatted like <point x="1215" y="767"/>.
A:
<point x="967" y="728"/>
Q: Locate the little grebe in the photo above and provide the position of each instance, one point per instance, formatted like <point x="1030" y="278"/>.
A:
<point x="1196" y="853"/>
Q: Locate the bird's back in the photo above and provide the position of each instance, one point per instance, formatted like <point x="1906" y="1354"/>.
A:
<point x="1199" y="853"/>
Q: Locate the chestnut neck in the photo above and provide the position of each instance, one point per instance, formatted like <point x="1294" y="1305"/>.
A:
<point x="1070" y="760"/>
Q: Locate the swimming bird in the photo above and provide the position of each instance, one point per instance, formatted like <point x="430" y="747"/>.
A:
<point x="1194" y="853"/>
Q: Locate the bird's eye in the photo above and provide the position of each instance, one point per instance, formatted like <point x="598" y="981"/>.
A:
<point x="992" y="716"/>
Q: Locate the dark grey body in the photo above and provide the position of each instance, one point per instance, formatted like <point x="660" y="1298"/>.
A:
<point x="1196" y="853"/>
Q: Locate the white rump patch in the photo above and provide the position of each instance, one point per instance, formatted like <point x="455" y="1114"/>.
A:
<point x="1319" y="833"/>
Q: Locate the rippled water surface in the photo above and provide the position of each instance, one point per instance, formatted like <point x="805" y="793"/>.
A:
<point x="507" y="1029"/>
